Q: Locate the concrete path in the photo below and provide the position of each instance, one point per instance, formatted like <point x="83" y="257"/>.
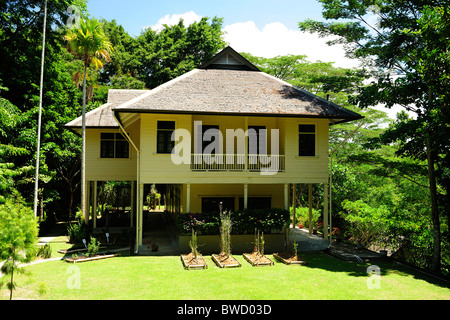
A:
<point x="307" y="242"/>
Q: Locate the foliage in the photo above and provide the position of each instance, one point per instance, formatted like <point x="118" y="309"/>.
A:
<point x="302" y="217"/>
<point x="407" y="51"/>
<point x="44" y="251"/>
<point x="244" y="221"/>
<point x="181" y="48"/>
<point x="193" y="244"/>
<point x="92" y="247"/>
<point x="176" y="49"/>
<point x="77" y="231"/>
<point x="225" y="232"/>
<point x="259" y="243"/>
<point x="18" y="237"/>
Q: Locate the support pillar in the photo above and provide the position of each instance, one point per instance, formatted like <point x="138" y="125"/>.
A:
<point x="139" y="215"/>
<point x="188" y="198"/>
<point x="245" y="196"/>
<point x="286" y="197"/>
<point x="94" y="204"/>
<point x="310" y="207"/>
<point x="87" y="202"/>
<point x="294" y="205"/>
<point x="325" y="210"/>
<point x="133" y="203"/>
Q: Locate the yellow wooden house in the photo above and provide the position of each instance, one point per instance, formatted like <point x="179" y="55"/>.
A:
<point x="261" y="134"/>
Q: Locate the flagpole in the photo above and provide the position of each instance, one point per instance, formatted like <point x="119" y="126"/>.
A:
<point x="36" y="183"/>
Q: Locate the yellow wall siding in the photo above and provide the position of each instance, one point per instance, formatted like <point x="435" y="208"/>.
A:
<point x="155" y="166"/>
<point x="159" y="168"/>
<point x="101" y="169"/>
<point x="275" y="191"/>
<point x="307" y="169"/>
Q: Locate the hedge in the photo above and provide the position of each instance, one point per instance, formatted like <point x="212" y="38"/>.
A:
<point x="244" y="221"/>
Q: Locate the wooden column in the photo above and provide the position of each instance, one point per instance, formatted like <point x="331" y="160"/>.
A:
<point x="325" y="210"/>
<point x="139" y="215"/>
<point x="310" y="207"/>
<point x="286" y="197"/>
<point x="87" y="202"/>
<point x="188" y="198"/>
<point x="133" y="203"/>
<point x="245" y="196"/>
<point x="294" y="204"/>
<point x="94" y="204"/>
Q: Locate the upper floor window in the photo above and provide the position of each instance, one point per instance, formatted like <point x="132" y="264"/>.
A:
<point x="257" y="140"/>
<point x="164" y="136"/>
<point x="306" y="140"/>
<point x="113" y="145"/>
<point x="211" y="139"/>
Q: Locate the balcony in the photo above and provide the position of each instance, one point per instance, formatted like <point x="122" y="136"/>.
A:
<point x="237" y="162"/>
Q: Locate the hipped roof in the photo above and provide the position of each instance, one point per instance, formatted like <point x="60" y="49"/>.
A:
<point x="226" y="85"/>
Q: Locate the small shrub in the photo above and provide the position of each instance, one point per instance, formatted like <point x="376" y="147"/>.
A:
<point x="225" y="231"/>
<point x="92" y="247"/>
<point x="77" y="232"/>
<point x="44" y="251"/>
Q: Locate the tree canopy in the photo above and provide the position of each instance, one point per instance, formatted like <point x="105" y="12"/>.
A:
<point x="407" y="49"/>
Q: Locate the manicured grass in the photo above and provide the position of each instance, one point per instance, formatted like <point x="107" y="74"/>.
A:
<point x="138" y="277"/>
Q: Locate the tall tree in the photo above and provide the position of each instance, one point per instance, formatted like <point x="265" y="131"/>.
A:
<point x="88" y="41"/>
<point x="398" y="45"/>
<point x="177" y="49"/>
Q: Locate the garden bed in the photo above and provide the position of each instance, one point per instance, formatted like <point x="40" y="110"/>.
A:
<point x="242" y="243"/>
<point x="68" y="251"/>
<point x="256" y="259"/>
<point x="189" y="261"/>
<point x="287" y="258"/>
<point x="225" y="261"/>
<point x="93" y="258"/>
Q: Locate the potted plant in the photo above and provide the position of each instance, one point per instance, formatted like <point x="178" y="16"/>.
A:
<point x="152" y="245"/>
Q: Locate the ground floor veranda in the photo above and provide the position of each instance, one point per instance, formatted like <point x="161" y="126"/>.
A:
<point x="135" y="205"/>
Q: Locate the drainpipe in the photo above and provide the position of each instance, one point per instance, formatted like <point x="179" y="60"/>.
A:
<point x="138" y="181"/>
<point x="331" y="173"/>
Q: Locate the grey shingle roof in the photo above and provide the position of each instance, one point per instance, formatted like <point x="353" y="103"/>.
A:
<point x="103" y="115"/>
<point x="225" y="85"/>
<point x="222" y="91"/>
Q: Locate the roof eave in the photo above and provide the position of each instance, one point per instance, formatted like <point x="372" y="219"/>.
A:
<point x="340" y="118"/>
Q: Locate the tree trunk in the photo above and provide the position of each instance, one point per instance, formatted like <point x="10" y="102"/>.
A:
<point x="12" y="281"/>
<point x="83" y="151"/>
<point x="71" y="191"/>
<point x="436" y="258"/>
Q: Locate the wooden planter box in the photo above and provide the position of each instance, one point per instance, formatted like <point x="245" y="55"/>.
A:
<point x="263" y="260"/>
<point x="67" y="251"/>
<point x="84" y="259"/>
<point x="287" y="259"/>
<point x="240" y="243"/>
<point x="230" y="262"/>
<point x="188" y="262"/>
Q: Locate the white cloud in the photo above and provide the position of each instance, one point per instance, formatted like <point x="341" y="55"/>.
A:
<point x="273" y="40"/>
<point x="173" y="19"/>
<point x="276" y="39"/>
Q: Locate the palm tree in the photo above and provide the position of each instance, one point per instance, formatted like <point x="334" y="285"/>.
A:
<point x="88" y="41"/>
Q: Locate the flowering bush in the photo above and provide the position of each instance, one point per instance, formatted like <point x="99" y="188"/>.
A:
<point x="244" y="221"/>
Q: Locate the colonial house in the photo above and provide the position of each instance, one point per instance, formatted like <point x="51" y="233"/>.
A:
<point x="224" y="131"/>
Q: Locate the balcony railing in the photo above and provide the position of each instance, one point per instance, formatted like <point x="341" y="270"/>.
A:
<point x="237" y="162"/>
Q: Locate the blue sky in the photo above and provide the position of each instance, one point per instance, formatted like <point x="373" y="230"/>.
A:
<point x="261" y="27"/>
<point x="135" y="14"/>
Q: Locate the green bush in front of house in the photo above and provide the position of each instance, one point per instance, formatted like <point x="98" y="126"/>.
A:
<point x="244" y="221"/>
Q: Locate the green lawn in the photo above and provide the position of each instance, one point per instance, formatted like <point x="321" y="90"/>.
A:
<point x="138" y="277"/>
